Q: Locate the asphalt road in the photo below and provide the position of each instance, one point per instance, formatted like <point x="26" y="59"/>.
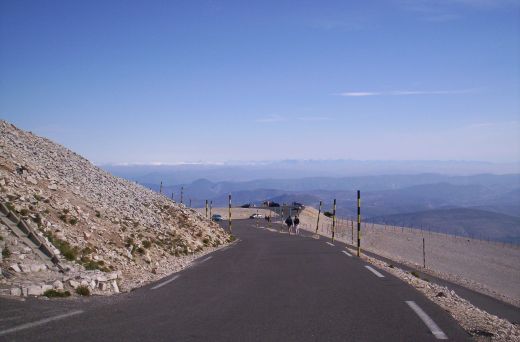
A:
<point x="267" y="287"/>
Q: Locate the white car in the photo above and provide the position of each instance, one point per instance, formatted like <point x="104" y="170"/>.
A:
<point x="256" y="216"/>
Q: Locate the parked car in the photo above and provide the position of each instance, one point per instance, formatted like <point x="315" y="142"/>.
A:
<point x="245" y="205"/>
<point x="216" y="217"/>
<point x="256" y="216"/>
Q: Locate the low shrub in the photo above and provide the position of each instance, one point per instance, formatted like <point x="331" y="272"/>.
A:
<point x="415" y="274"/>
<point x="83" y="290"/>
<point x="6" y="253"/>
<point x="73" y="220"/>
<point x="24" y="212"/>
<point x="147" y="244"/>
<point x="56" y="294"/>
<point x="70" y="253"/>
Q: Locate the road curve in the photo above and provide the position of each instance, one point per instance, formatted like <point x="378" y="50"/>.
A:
<point x="267" y="287"/>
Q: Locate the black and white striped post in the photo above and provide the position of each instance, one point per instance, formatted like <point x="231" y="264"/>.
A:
<point x="210" y="208"/>
<point x="229" y="221"/>
<point x="318" y="221"/>
<point x="333" y="219"/>
<point x="358" y="223"/>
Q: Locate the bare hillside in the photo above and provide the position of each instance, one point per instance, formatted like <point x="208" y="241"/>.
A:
<point x="489" y="267"/>
<point x="109" y="233"/>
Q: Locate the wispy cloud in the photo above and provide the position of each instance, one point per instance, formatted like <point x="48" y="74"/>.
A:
<point x="404" y="92"/>
<point x="314" y="118"/>
<point x="448" y="10"/>
<point x="271" y="119"/>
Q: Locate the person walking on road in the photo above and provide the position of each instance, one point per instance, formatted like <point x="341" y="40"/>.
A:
<point x="296" y="223"/>
<point x="289" y="223"/>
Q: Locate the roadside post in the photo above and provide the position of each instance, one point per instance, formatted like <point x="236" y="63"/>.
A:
<point x="160" y="188"/>
<point x="423" y="254"/>
<point x="172" y="196"/>
<point x="229" y="213"/>
<point x="333" y="219"/>
<point x="358" y="223"/>
<point x="256" y="218"/>
<point x="210" y="207"/>
<point x="206" y="208"/>
<point x="182" y="193"/>
<point x="281" y="219"/>
<point x="318" y="221"/>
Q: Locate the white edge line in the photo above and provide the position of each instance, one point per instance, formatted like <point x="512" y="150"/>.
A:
<point x="166" y="282"/>
<point x="40" y="322"/>
<point x="328" y="243"/>
<point x="347" y="253"/>
<point x="206" y="259"/>
<point x="434" y="328"/>
<point x="374" y="271"/>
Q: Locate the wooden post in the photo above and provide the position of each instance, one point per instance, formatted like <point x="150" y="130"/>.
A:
<point x="318" y="221"/>
<point x="333" y="219"/>
<point x="423" y="254"/>
<point x="230" y="213"/>
<point x="358" y="223"/>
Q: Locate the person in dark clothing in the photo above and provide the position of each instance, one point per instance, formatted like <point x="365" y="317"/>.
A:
<point x="296" y="223"/>
<point x="289" y="223"/>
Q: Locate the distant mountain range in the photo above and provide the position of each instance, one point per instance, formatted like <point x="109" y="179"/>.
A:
<point x="461" y="204"/>
<point x="292" y="169"/>
<point x="460" y="221"/>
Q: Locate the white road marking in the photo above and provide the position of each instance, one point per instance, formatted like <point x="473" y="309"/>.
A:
<point x="374" y="271"/>
<point x="347" y="253"/>
<point x="204" y="260"/>
<point x="434" y="328"/>
<point x="166" y="282"/>
<point x="328" y="243"/>
<point x="40" y="322"/>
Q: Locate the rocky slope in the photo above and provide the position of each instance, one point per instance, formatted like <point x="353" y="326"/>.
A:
<point x="110" y="234"/>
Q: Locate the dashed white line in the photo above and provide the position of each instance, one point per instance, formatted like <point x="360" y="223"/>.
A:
<point x="328" y="243"/>
<point x="434" y="328"/>
<point x="40" y="322"/>
<point x="374" y="271"/>
<point x="347" y="253"/>
<point x="165" y="282"/>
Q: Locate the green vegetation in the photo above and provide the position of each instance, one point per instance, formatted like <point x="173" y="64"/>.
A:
<point x="98" y="213"/>
<point x="328" y="214"/>
<point x="24" y="212"/>
<point x="73" y="220"/>
<point x="83" y="290"/>
<point x="70" y="253"/>
<point x="231" y="238"/>
<point x="91" y="265"/>
<point x="56" y="294"/>
<point x="6" y="253"/>
<point x="37" y="197"/>
<point x="147" y="244"/>
<point x="10" y="206"/>
<point x="415" y="274"/>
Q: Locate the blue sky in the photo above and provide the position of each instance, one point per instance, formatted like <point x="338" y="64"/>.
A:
<point x="174" y="81"/>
